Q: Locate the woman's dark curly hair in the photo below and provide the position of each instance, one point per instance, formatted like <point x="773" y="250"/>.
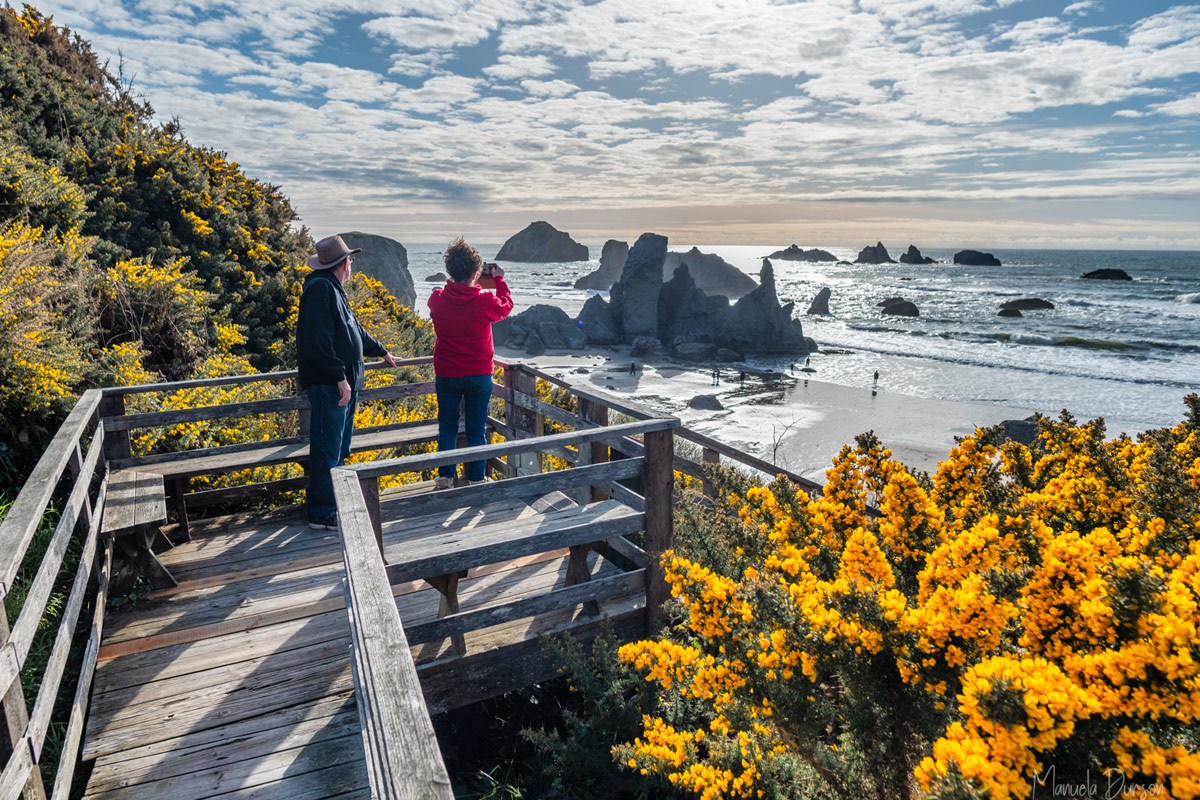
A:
<point x="462" y="261"/>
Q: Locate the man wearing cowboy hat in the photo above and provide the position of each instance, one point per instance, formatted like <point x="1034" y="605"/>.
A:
<point x="330" y="345"/>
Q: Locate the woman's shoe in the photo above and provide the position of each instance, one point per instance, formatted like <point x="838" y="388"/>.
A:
<point x="476" y="483"/>
<point x="443" y="483"/>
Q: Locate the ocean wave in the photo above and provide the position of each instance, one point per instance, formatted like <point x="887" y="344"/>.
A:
<point x="1192" y="298"/>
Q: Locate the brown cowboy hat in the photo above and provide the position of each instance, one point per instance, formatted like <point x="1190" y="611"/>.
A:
<point x="331" y="251"/>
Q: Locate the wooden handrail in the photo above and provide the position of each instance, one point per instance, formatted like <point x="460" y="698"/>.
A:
<point x="253" y="377"/>
<point x="745" y="458"/>
<point x="426" y="461"/>
<point x="403" y="759"/>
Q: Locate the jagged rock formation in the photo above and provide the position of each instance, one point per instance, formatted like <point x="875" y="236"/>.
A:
<point x="795" y="253"/>
<point x="687" y="314"/>
<point x="542" y="242"/>
<point x="597" y="323"/>
<point x="913" y="256"/>
<point x="713" y="274"/>
<point x="537" y="329"/>
<point x="820" y="303"/>
<point x="386" y="261"/>
<point x="645" y="347"/>
<point x="1026" y="304"/>
<point x="612" y="261"/>
<point x="635" y="294"/>
<point x="874" y="255"/>
<point x="974" y="258"/>
<point x="1108" y="275"/>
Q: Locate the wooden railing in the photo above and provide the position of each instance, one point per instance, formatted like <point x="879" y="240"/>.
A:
<point x="23" y="732"/>
<point x="630" y="462"/>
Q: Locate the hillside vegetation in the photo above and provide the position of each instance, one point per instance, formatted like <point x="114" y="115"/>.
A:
<point x="128" y="253"/>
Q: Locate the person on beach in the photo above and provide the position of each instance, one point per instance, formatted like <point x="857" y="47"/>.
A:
<point x="330" y="345"/>
<point x="462" y="315"/>
<point x="876" y="381"/>
<point x="716" y="376"/>
<point x="633" y="368"/>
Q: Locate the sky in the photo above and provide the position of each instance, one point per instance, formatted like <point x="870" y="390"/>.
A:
<point x="945" y="123"/>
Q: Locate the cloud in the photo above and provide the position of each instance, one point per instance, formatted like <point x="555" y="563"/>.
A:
<point x="510" y="67"/>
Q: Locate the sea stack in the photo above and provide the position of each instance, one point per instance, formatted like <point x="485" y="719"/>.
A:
<point x="612" y="261"/>
<point x="797" y="253"/>
<point x="635" y="294"/>
<point x="913" y="256"/>
<point x="713" y="274"/>
<point x="541" y="242"/>
<point x="820" y="303"/>
<point x="1107" y="275"/>
<point x="874" y="255"/>
<point x="974" y="258"/>
<point x="386" y="261"/>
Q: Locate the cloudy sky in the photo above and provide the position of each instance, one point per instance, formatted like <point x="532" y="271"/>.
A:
<point x="823" y="122"/>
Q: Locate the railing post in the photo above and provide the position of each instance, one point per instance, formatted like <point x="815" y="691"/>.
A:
<point x="659" y="482"/>
<point x="13" y="729"/>
<point x="710" y="456"/>
<point x="116" y="443"/>
<point x="370" y="491"/>
<point x="595" y="413"/>
<point x="524" y="419"/>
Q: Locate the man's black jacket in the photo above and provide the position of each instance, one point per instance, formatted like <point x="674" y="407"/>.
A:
<point x="330" y="344"/>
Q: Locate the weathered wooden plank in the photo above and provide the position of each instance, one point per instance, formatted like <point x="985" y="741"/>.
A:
<point x="135" y="502"/>
<point x="270" y="453"/>
<point x="747" y="459"/>
<point x="18" y="771"/>
<point x="426" y="461"/>
<point x="408" y="756"/>
<point x="513" y="656"/>
<point x="56" y="664"/>
<point x="599" y="589"/>
<point x="450" y="551"/>
<point x="627" y="407"/>
<point x="250" y="491"/>
<point x="248" y="740"/>
<point x="239" y="775"/>
<point x="625" y="495"/>
<point x="24" y="515"/>
<point x="517" y="488"/>
<point x="341" y="780"/>
<point x="79" y="706"/>
<point x="236" y="380"/>
<point x="38" y="593"/>
<point x="660" y="519"/>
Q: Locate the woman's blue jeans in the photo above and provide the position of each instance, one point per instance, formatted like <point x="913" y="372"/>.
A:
<point x="329" y="431"/>
<point x="473" y="392"/>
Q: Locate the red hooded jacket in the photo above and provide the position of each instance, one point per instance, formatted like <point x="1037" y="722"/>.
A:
<point x="462" y="319"/>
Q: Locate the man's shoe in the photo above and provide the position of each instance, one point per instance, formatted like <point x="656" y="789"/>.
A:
<point x="443" y="483"/>
<point x="329" y="524"/>
<point x="476" y="483"/>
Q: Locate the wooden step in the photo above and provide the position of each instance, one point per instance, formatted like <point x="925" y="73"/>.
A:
<point x="442" y="546"/>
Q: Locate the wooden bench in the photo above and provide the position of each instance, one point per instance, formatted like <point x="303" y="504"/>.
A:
<point x="176" y="469"/>
<point x="135" y="509"/>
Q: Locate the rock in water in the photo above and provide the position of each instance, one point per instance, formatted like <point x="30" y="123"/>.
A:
<point x="713" y="274"/>
<point x="974" y="258"/>
<point x="437" y="277"/>
<point x="887" y="301"/>
<point x="542" y="242"/>
<point x="612" y="261"/>
<point x="913" y="256"/>
<point x="903" y="308"/>
<point x="874" y="255"/>
<point x="635" y="294"/>
<point x="386" y="261"/>
<point x="795" y="253"/>
<point x="539" y="326"/>
<point x="761" y="324"/>
<point x="1026" y="304"/>
<point x="1010" y="312"/>
<point x="1107" y="275"/>
<point x="597" y="323"/>
<point x="820" y="303"/>
<point x="706" y="402"/>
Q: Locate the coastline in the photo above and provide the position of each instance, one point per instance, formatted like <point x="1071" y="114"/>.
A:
<point x="792" y="419"/>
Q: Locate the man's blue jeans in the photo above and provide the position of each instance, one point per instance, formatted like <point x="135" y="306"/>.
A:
<point x="329" y="431"/>
<point x="474" y="391"/>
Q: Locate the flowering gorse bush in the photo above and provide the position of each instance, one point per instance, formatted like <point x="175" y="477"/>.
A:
<point x="1025" y="615"/>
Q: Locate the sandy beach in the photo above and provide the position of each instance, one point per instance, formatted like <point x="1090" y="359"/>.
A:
<point x="792" y="419"/>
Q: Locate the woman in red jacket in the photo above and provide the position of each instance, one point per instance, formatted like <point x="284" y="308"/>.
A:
<point x="462" y="316"/>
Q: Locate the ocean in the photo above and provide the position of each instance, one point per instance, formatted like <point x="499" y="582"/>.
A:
<point x="1125" y="350"/>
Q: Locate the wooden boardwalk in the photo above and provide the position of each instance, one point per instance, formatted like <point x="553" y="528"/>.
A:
<point x="237" y="682"/>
